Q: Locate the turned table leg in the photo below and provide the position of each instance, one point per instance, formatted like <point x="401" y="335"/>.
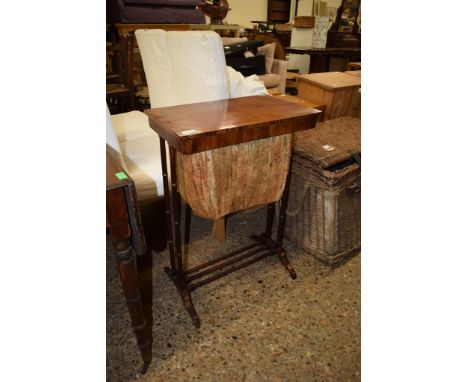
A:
<point x="125" y="255"/>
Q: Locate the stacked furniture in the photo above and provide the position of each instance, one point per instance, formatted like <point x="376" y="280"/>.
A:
<point x="154" y="11"/>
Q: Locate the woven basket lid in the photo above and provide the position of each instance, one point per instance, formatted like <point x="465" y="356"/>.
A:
<point x="331" y="142"/>
<point x="332" y="80"/>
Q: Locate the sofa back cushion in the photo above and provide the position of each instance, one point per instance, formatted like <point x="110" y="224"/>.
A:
<point x="183" y="67"/>
<point x="199" y="66"/>
<point x="157" y="66"/>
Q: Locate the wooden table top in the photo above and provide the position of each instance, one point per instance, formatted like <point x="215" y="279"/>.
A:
<point x="203" y="126"/>
<point x="302" y="101"/>
<point x="322" y="51"/>
<point x="331" y="80"/>
<point x="125" y="29"/>
<point x="112" y="180"/>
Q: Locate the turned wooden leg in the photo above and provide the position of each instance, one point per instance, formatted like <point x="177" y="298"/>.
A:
<point x="269" y="221"/>
<point x="281" y="223"/>
<point x="126" y="265"/>
<point x="188" y="220"/>
<point x="121" y="238"/>
<point x="167" y="203"/>
<point x="176" y="215"/>
<point x="179" y="278"/>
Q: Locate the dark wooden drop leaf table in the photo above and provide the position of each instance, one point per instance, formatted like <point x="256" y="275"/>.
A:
<point x="123" y="221"/>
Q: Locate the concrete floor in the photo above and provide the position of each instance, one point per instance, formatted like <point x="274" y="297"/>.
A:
<point x="257" y="323"/>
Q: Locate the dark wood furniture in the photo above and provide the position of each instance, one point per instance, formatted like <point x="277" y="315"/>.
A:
<point x="123" y="222"/>
<point x="269" y="39"/>
<point x="345" y="32"/>
<point x="216" y="10"/>
<point x="195" y="128"/>
<point x="320" y="58"/>
<point x="354" y="66"/>
<point x="278" y="11"/>
<point x="120" y="89"/>
<point x="154" y="11"/>
<point x="127" y="29"/>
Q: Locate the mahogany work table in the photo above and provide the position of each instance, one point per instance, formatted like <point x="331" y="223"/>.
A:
<point x="123" y="221"/>
<point x="194" y="128"/>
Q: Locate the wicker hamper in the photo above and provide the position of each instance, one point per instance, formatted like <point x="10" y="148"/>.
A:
<point x="324" y="211"/>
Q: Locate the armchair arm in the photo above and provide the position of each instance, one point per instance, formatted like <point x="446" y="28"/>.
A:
<point x="280" y="67"/>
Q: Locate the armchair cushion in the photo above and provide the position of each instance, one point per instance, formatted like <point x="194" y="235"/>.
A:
<point x="136" y="147"/>
<point x="268" y="51"/>
<point x="270" y="80"/>
<point x="131" y="125"/>
<point x="144" y="165"/>
<point x="277" y="77"/>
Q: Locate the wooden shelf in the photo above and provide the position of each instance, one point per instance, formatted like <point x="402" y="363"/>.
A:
<point x="278" y="11"/>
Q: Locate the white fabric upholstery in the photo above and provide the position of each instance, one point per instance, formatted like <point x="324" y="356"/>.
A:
<point x="280" y="68"/>
<point x="131" y="125"/>
<point x="112" y="142"/>
<point x="240" y="86"/>
<point x="270" y="80"/>
<point x="157" y="66"/>
<point x="199" y="66"/>
<point x="193" y="64"/>
<point x="143" y="161"/>
<point x="138" y="147"/>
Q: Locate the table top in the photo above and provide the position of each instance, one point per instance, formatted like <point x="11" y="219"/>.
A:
<point x="305" y="50"/>
<point x="331" y="80"/>
<point x="203" y="126"/>
<point x="113" y="180"/>
<point x="130" y="28"/>
<point x="354" y="73"/>
<point x="302" y="101"/>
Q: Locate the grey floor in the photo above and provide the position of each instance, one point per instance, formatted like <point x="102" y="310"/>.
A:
<point x="257" y="323"/>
